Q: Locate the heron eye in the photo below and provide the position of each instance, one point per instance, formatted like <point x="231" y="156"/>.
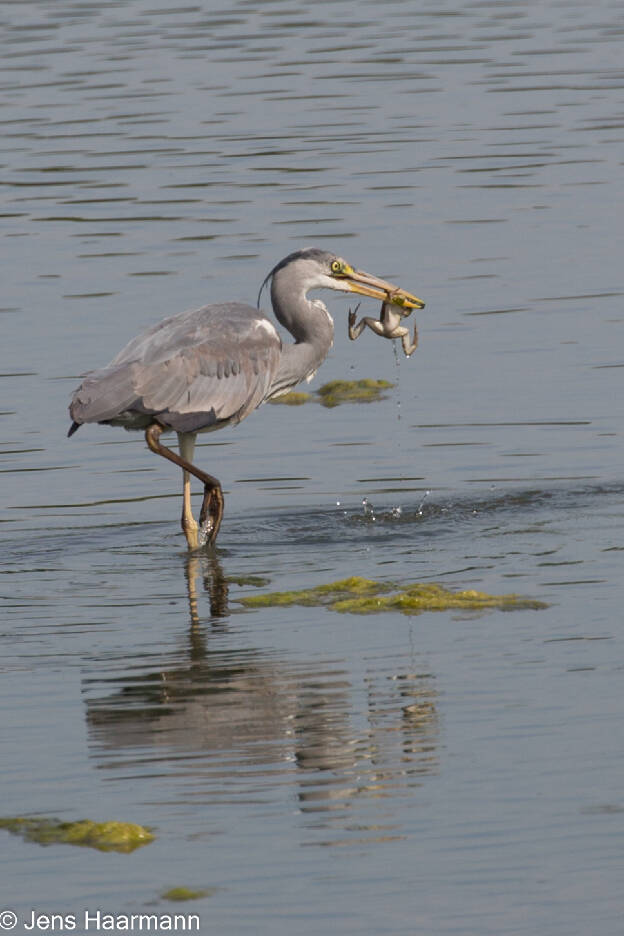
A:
<point x="337" y="266"/>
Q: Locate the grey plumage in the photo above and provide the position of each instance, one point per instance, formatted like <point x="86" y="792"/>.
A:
<point x="197" y="370"/>
<point x="203" y="369"/>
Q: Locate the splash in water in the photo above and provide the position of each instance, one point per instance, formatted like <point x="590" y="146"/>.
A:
<point x="369" y="510"/>
<point x="422" y="503"/>
<point x="203" y="533"/>
<point x="339" y="505"/>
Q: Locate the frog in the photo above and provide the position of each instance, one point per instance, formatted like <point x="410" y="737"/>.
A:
<point x="388" y="325"/>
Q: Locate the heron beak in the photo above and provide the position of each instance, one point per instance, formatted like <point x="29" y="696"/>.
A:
<point x="367" y="285"/>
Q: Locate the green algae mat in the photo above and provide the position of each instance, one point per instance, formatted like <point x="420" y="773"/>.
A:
<point x="105" y="836"/>
<point x="186" y="893"/>
<point x="357" y="595"/>
<point x="339" y="391"/>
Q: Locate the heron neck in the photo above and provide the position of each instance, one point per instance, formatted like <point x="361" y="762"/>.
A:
<point x="311" y="326"/>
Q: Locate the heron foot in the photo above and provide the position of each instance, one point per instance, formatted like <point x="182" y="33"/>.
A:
<point x="211" y="514"/>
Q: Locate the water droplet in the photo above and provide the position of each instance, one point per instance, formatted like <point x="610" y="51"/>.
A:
<point x="420" y="506"/>
<point x="369" y="510"/>
<point x="204" y="532"/>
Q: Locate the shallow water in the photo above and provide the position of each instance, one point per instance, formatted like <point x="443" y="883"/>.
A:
<point x="442" y="773"/>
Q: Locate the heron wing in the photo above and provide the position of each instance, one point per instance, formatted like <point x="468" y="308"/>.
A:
<point x="196" y="370"/>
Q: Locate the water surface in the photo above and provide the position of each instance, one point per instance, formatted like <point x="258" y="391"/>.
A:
<point x="445" y="773"/>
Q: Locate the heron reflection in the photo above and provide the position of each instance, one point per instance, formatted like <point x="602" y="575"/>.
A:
<point x="224" y="702"/>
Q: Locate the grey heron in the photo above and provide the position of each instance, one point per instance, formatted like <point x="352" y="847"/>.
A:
<point x="207" y="368"/>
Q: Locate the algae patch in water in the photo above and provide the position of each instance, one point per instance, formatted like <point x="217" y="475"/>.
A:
<point x="357" y="595"/>
<point x="339" y="391"/>
<point x="319" y="595"/>
<point x="352" y="391"/>
<point x="105" y="836"/>
<point x="187" y="893"/>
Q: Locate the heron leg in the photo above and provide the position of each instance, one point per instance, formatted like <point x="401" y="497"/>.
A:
<point x="186" y="443"/>
<point x="212" y="505"/>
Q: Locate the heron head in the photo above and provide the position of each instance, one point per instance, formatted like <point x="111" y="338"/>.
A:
<point x="346" y="278"/>
<point x="319" y="269"/>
